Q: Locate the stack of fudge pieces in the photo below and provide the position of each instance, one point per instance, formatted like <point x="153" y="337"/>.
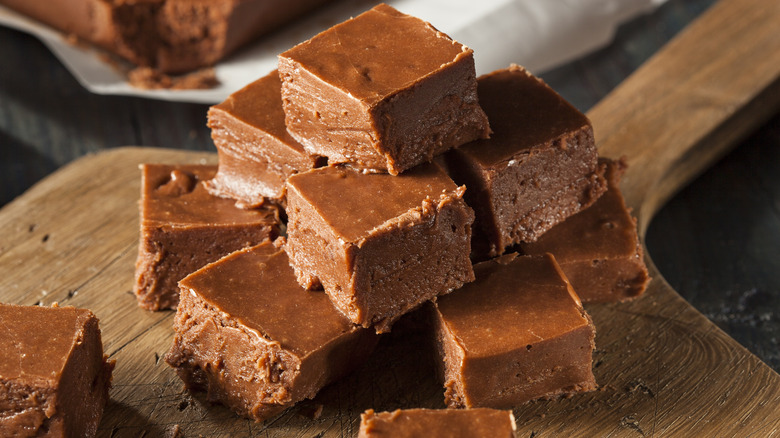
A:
<point x="406" y="182"/>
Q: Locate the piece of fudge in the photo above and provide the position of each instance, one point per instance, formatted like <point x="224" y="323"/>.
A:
<point x="255" y="340"/>
<point x="438" y="423"/>
<point x="383" y="91"/>
<point x="54" y="377"/>
<point x="598" y="248"/>
<point x="380" y="245"/>
<point x="539" y="166"/>
<point x="183" y="227"/>
<point x="256" y="154"/>
<point x="517" y="333"/>
<point x="173" y="36"/>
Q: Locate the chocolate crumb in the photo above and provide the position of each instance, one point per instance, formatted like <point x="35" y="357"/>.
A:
<point x="174" y="431"/>
<point x="148" y="78"/>
<point x="606" y="388"/>
<point x="630" y="422"/>
<point x="639" y="385"/>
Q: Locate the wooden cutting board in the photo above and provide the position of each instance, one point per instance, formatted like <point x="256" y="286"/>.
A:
<point x="663" y="368"/>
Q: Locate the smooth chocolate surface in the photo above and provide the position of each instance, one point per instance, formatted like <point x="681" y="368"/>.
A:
<point x="437" y="423"/>
<point x="383" y="91"/>
<point x="517" y="333"/>
<point x="173" y="36"/>
<point x="54" y="378"/>
<point x="256" y="153"/>
<point x="380" y="245"/>
<point x="183" y="227"/>
<point x="538" y="167"/>
<point x="598" y="248"/>
<point x="255" y="340"/>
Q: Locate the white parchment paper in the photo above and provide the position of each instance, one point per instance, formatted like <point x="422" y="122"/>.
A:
<point x="538" y="34"/>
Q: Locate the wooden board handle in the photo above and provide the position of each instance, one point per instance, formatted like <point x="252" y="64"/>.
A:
<point x="713" y="84"/>
<point x="709" y="87"/>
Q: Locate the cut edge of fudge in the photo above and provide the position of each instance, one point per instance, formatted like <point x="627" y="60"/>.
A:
<point x="477" y="422"/>
<point x="429" y="242"/>
<point x="618" y="272"/>
<point x="274" y="373"/>
<point x="466" y="370"/>
<point x="579" y="195"/>
<point x="487" y="242"/>
<point x="70" y="398"/>
<point x="170" y="247"/>
<point x="256" y="153"/>
<point x="382" y="122"/>
<point x="536" y="168"/>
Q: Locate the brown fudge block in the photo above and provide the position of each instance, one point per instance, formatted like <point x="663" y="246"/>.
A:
<point x="438" y="423"/>
<point x="256" y="154"/>
<point x="380" y="245"/>
<point x="255" y="340"/>
<point x="173" y="36"/>
<point x="54" y="378"/>
<point x="515" y="334"/>
<point x="383" y="91"/>
<point x="598" y="248"/>
<point x="538" y="167"/>
<point x="183" y="228"/>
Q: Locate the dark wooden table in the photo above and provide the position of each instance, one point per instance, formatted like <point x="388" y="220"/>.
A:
<point x="717" y="242"/>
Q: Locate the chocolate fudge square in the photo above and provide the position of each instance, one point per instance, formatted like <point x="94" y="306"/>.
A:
<point x="539" y="166"/>
<point x="380" y="245"/>
<point x="598" y="248"/>
<point x="517" y="333"/>
<point x="256" y="154"/>
<point x="54" y="377"/>
<point x="247" y="333"/>
<point x="183" y="228"/>
<point x="383" y="91"/>
<point x="437" y="423"/>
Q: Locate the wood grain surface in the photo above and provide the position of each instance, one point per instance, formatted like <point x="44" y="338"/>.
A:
<point x="662" y="367"/>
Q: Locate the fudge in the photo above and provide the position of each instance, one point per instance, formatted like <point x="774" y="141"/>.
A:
<point x="382" y="91"/>
<point x="173" y="36"/>
<point x="380" y="245"/>
<point x="433" y="423"/>
<point x="255" y="340"/>
<point x="598" y="248"/>
<point x="256" y="154"/>
<point x="54" y="377"/>
<point x="539" y="166"/>
<point x="515" y="334"/>
<point x="183" y="228"/>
